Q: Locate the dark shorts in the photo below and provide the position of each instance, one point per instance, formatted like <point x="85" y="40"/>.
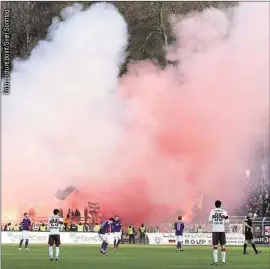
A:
<point x="218" y="238"/>
<point x="248" y="236"/>
<point x="54" y="239"/>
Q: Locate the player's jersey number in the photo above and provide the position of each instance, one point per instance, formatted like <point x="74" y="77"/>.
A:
<point x="54" y="223"/>
<point x="178" y="226"/>
<point x="218" y="217"/>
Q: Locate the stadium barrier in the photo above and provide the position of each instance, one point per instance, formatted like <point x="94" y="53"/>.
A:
<point x="66" y="238"/>
<point x="262" y="240"/>
<point x="93" y="238"/>
<point x="194" y="239"/>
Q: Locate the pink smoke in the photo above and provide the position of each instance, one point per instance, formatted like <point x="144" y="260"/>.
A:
<point x="191" y="126"/>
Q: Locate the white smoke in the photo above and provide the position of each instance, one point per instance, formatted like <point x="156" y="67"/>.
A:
<point x="60" y="119"/>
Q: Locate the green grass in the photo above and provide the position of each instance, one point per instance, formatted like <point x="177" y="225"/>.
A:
<point x="129" y="257"/>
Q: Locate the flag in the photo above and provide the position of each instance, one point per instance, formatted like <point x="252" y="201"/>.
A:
<point x="94" y="210"/>
<point x="94" y="207"/>
<point x="63" y="194"/>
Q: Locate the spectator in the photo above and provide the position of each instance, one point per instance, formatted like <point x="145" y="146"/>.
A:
<point x="200" y="229"/>
<point x="86" y="214"/>
<point x="70" y="215"/>
<point x="7" y="227"/>
<point x="142" y="231"/>
<point x="96" y="227"/>
<point x="131" y="234"/>
<point x="73" y="227"/>
<point x="66" y="226"/>
<point x="43" y="227"/>
<point x="77" y="215"/>
<point x="61" y="213"/>
<point x="86" y="227"/>
<point x="80" y="227"/>
<point x="16" y="228"/>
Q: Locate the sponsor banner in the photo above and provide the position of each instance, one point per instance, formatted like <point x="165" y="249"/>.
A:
<point x="267" y="230"/>
<point x="15" y="237"/>
<point x="84" y="238"/>
<point x="193" y="239"/>
<point x="93" y="238"/>
<point x="66" y="238"/>
<point x="264" y="240"/>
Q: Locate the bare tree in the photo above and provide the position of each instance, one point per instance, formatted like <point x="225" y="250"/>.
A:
<point x="147" y="21"/>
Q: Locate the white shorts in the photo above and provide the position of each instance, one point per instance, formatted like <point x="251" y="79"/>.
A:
<point x="179" y="238"/>
<point x="103" y="237"/>
<point x="117" y="236"/>
<point x="25" y="235"/>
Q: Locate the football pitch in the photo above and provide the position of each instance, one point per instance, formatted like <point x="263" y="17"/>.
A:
<point x="129" y="257"/>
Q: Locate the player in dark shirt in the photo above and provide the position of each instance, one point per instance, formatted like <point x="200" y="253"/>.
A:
<point x="249" y="234"/>
<point x="179" y="229"/>
<point x="104" y="228"/>
<point x="25" y="226"/>
<point x="116" y="230"/>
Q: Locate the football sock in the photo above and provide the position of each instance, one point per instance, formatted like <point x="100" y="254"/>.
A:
<point x="118" y="242"/>
<point x="105" y="246"/>
<point x="178" y="245"/>
<point x="245" y="248"/>
<point x="51" y="252"/>
<point x="223" y="255"/>
<point x="254" y="247"/>
<point x="21" y="242"/>
<point x="102" y="245"/>
<point x="57" y="250"/>
<point x="114" y="243"/>
<point x="215" y="255"/>
<point x="26" y="243"/>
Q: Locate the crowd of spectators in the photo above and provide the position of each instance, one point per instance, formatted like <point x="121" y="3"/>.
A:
<point x="258" y="200"/>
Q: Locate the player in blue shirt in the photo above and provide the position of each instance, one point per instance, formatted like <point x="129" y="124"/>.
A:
<point x="25" y="227"/>
<point x="179" y="229"/>
<point x="104" y="228"/>
<point x="117" y="231"/>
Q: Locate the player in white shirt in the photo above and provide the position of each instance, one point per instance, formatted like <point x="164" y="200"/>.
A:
<point x="54" y="226"/>
<point x="218" y="217"/>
